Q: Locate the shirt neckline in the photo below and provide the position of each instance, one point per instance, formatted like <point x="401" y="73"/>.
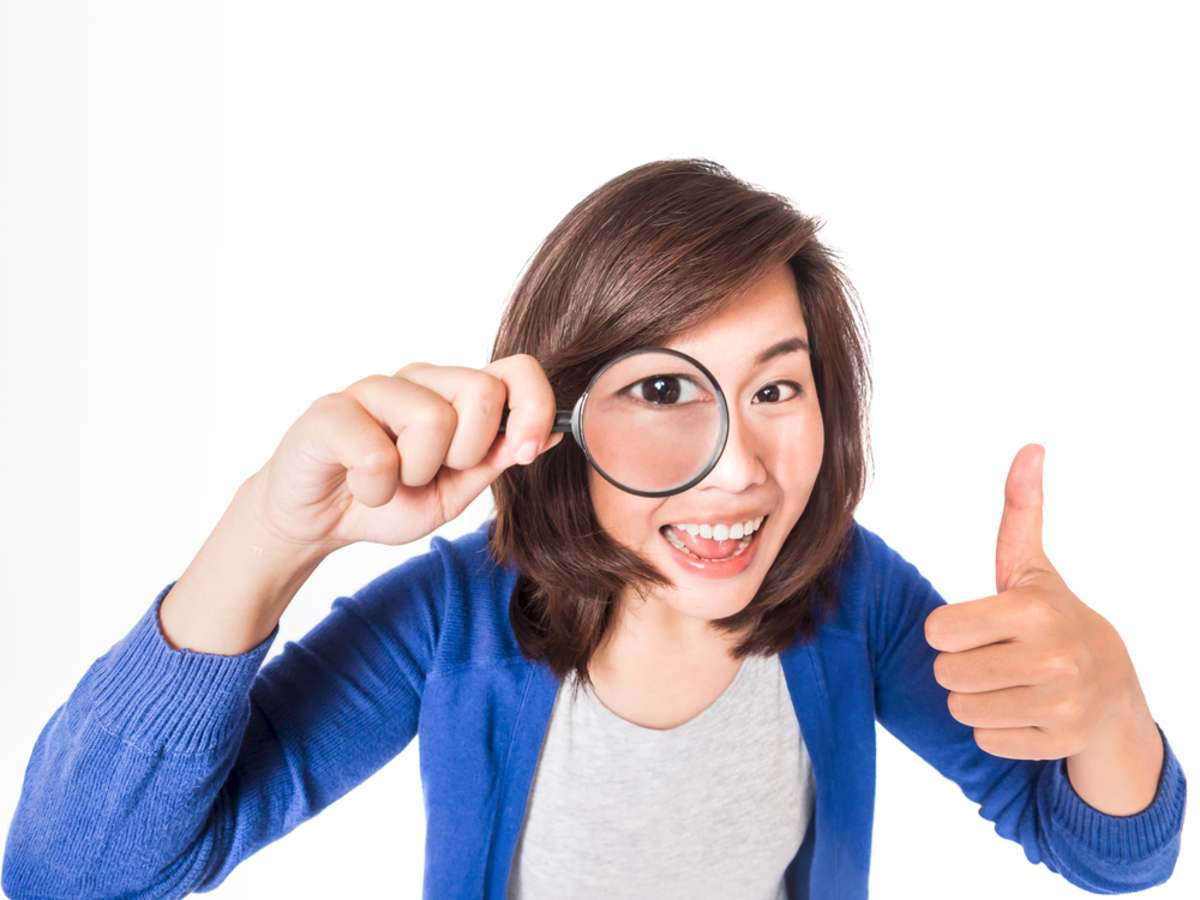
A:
<point x="615" y="720"/>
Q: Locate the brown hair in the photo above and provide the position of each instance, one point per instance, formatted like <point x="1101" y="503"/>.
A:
<point x="650" y="254"/>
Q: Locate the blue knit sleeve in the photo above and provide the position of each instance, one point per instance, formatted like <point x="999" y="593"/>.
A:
<point x="1031" y="802"/>
<point x="166" y="768"/>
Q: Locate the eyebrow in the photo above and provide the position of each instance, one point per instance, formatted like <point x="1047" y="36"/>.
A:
<point x="788" y="345"/>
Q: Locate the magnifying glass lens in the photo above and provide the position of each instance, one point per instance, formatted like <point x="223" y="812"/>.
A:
<point x="652" y="421"/>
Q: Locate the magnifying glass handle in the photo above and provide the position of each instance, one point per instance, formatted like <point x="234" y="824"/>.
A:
<point x="562" y="421"/>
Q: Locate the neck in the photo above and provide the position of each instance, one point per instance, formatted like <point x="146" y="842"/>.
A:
<point x="651" y="631"/>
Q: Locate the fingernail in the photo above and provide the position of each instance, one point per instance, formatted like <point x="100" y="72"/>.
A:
<point x="527" y="452"/>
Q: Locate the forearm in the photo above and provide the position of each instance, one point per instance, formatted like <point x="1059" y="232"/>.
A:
<point x="234" y="592"/>
<point x="118" y="796"/>
<point x="1118" y="772"/>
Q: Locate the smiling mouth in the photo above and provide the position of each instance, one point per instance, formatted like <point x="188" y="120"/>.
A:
<point x="711" y="550"/>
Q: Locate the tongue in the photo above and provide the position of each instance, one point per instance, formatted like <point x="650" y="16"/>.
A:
<point x="705" y="547"/>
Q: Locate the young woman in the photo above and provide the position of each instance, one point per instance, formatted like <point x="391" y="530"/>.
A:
<point x="616" y="694"/>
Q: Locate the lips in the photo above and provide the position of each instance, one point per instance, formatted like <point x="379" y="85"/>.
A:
<point x="692" y="566"/>
<point x="706" y="548"/>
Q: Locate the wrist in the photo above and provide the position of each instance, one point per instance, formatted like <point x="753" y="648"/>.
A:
<point x="235" y="590"/>
<point x="250" y="528"/>
<point x="1118" y="771"/>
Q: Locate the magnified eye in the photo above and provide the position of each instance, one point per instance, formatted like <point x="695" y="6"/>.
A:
<point x="664" y="390"/>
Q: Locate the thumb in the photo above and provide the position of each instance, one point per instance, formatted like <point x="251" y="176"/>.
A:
<point x="459" y="487"/>
<point x="1019" y="551"/>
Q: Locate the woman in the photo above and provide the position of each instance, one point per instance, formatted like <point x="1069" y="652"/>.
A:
<point x="616" y="695"/>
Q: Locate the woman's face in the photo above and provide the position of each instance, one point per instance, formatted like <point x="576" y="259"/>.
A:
<point x="768" y="467"/>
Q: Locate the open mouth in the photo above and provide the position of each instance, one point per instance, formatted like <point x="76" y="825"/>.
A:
<point x="707" y="550"/>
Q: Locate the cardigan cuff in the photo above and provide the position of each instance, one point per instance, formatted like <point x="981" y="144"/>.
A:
<point x="164" y="700"/>
<point x="1117" y="839"/>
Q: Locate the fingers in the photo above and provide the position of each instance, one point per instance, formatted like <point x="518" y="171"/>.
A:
<point x="419" y="421"/>
<point x="993" y="668"/>
<point x="531" y="403"/>
<point x="340" y="432"/>
<point x="478" y="401"/>
<point x="409" y="425"/>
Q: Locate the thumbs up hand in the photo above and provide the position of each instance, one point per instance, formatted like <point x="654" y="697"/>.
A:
<point x="1035" y="671"/>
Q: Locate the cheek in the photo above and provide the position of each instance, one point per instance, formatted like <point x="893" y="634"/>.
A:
<point x="796" y="457"/>
<point x="621" y="514"/>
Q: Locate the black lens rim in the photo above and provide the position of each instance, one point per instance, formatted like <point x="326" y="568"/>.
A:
<point x="579" y="409"/>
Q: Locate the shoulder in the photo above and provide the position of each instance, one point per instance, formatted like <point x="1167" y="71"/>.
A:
<point x="444" y="608"/>
<point x="876" y="586"/>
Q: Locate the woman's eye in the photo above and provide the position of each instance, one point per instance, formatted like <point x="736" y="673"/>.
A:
<point x="664" y="390"/>
<point x="772" y="391"/>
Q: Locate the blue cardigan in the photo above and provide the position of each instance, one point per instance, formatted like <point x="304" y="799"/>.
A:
<point x="166" y="768"/>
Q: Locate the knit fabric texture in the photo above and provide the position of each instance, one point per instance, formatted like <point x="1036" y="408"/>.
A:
<point x="166" y="768"/>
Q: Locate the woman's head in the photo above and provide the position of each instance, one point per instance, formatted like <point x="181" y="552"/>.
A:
<point x="681" y="254"/>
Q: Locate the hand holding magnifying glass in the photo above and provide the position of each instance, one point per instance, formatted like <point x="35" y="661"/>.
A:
<point x="652" y="421"/>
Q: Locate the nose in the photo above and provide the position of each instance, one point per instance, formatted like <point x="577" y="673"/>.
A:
<point x="740" y="466"/>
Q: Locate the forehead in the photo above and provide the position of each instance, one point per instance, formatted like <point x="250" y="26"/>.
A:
<point x="765" y="313"/>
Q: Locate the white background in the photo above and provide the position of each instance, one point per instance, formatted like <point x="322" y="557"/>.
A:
<point x="216" y="212"/>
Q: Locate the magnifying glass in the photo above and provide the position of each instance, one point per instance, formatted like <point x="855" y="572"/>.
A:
<point x="652" y="421"/>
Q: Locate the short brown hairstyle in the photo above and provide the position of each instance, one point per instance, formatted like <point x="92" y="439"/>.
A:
<point x="648" y="255"/>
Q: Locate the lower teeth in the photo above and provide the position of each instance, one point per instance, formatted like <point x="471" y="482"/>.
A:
<point x="679" y="545"/>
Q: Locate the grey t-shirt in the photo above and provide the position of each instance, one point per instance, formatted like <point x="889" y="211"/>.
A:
<point x="716" y="807"/>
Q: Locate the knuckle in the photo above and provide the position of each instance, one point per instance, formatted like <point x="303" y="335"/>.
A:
<point x="954" y="702"/>
<point x="411" y="367"/>
<point x="939" y="669"/>
<point x="534" y="366"/>
<point x="980" y="741"/>
<point x="323" y="404"/>
<point x="1059" y="664"/>
<point x="436" y="415"/>
<point x="1067" y="709"/>
<point x="1034" y="610"/>
<point x="379" y="459"/>
<point x="374" y="380"/>
<point x="933" y="633"/>
<point x="490" y="395"/>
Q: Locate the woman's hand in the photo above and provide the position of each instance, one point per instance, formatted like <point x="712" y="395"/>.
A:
<point x="392" y="458"/>
<point x="1035" y="671"/>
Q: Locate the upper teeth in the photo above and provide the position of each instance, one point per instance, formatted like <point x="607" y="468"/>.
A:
<point x="721" y="531"/>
